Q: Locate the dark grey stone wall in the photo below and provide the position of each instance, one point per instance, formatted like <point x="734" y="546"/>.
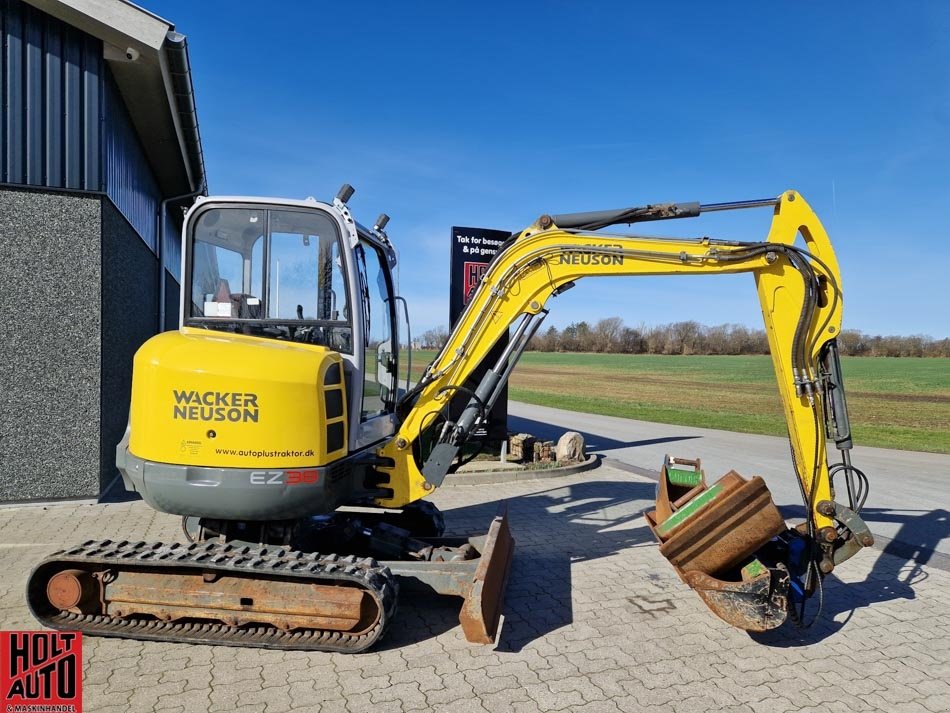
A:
<point x="129" y="318"/>
<point x="50" y="350"/>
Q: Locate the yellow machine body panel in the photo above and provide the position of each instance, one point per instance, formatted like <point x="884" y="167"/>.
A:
<point x="213" y="399"/>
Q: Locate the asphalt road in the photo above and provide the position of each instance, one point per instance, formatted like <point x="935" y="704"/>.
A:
<point x="909" y="503"/>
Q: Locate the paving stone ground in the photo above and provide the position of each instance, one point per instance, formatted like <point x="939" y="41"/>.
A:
<point x="595" y="620"/>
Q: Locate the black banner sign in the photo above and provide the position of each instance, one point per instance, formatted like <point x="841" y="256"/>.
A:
<point x="472" y="250"/>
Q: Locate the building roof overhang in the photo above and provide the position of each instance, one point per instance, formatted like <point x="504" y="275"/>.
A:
<point x="149" y="61"/>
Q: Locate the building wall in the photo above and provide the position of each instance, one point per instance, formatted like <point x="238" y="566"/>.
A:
<point x="129" y="318"/>
<point x="63" y="123"/>
<point x="171" y="250"/>
<point x="81" y="291"/>
<point x="51" y="85"/>
<point x="83" y="286"/>
<point x="50" y="408"/>
<point x="129" y="180"/>
<point x="172" y="298"/>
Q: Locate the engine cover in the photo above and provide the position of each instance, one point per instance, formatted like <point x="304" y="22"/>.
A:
<point x="212" y="399"/>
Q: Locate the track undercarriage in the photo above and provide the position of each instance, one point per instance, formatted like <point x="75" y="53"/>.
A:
<point x="219" y="590"/>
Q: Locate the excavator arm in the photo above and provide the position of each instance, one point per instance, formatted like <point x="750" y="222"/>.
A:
<point x="799" y="288"/>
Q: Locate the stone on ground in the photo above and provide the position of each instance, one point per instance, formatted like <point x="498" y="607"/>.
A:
<point x="570" y="448"/>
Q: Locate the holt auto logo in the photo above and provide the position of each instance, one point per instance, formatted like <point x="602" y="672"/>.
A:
<point x="40" y="672"/>
<point x="473" y="272"/>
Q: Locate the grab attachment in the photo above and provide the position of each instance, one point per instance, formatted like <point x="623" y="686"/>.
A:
<point x="712" y="535"/>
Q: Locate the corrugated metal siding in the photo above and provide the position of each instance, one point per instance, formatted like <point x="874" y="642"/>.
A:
<point x="129" y="179"/>
<point x="51" y="83"/>
<point x="171" y="250"/>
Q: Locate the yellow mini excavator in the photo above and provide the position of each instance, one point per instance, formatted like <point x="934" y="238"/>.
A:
<point x="273" y="422"/>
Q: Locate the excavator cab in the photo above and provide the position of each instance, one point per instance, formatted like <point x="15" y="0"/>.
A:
<point x="300" y="272"/>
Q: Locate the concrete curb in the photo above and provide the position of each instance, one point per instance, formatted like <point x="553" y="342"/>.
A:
<point x="512" y="476"/>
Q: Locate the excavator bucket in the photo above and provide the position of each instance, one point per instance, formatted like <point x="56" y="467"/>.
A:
<point x="756" y="604"/>
<point x="712" y="534"/>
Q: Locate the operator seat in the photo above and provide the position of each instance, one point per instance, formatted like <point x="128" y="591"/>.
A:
<point x="242" y="306"/>
<point x="223" y="293"/>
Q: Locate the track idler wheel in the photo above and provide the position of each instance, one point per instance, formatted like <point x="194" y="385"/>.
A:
<point x="74" y="590"/>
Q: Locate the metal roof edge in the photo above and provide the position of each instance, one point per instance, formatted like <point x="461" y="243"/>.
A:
<point x="140" y="43"/>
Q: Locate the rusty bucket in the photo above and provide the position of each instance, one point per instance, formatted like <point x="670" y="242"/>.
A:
<point x="711" y="535"/>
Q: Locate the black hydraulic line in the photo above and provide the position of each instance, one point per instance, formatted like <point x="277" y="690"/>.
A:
<point x="501" y="371"/>
<point x="804" y="322"/>
<point x="801" y="348"/>
<point x="848" y="478"/>
<point x="481" y="400"/>
<point x="813" y="564"/>
<point x="835" y="289"/>
<point x="798" y="259"/>
<point x="797" y="356"/>
<point x="857" y="489"/>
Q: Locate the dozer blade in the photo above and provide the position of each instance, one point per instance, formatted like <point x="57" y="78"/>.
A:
<point x="711" y="535"/>
<point x="480" y="580"/>
<point x="482" y="608"/>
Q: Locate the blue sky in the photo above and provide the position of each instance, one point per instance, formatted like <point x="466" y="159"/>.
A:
<point x="489" y="114"/>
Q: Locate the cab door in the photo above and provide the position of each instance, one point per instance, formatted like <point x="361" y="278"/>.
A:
<point x="379" y="355"/>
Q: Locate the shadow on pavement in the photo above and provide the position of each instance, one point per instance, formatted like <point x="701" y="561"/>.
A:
<point x="594" y="443"/>
<point x="896" y="572"/>
<point x="559" y="526"/>
<point x="552" y="529"/>
<point x="116" y="493"/>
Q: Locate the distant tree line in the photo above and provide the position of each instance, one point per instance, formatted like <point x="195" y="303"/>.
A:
<point x="612" y="336"/>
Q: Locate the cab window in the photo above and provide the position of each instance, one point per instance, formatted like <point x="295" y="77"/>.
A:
<point x="377" y="304"/>
<point x="273" y="273"/>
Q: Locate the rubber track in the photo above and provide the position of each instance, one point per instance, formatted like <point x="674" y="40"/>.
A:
<point x="225" y="558"/>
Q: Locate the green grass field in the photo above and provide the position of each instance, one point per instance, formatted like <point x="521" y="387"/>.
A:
<point x="894" y="403"/>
